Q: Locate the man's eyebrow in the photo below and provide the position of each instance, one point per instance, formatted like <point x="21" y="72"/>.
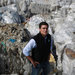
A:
<point x="45" y="28"/>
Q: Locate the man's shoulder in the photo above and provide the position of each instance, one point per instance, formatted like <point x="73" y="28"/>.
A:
<point x="48" y="35"/>
<point x="35" y="36"/>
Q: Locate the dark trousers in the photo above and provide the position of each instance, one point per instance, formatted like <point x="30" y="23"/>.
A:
<point x="43" y="68"/>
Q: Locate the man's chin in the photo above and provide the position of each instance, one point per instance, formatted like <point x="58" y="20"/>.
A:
<point x="45" y="34"/>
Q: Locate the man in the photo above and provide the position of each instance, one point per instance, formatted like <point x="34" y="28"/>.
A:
<point x="39" y="45"/>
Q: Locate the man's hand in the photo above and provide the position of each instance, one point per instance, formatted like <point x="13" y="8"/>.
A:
<point x="35" y="63"/>
<point x="32" y="61"/>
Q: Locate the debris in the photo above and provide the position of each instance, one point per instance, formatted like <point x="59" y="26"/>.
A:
<point x="4" y="46"/>
<point x="12" y="40"/>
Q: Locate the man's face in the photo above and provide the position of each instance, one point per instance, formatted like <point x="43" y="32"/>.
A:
<point x="44" y="30"/>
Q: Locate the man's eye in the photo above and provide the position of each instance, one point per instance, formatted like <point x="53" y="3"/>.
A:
<point x="45" y="28"/>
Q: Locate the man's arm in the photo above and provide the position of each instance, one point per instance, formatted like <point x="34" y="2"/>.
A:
<point x="53" y="48"/>
<point x="26" y="51"/>
<point x="32" y="61"/>
<point x="54" y="52"/>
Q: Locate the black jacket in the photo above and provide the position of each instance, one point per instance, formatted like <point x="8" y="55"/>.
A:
<point x="42" y="51"/>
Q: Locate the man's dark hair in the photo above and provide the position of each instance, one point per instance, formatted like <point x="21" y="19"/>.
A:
<point x="43" y="23"/>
